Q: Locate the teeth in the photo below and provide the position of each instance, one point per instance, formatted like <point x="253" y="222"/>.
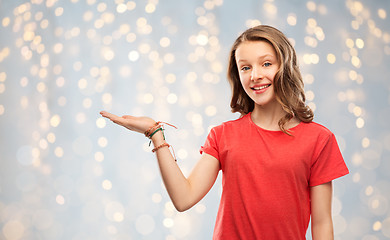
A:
<point x="262" y="87"/>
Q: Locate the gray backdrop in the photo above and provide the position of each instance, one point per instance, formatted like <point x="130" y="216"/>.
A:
<point x="66" y="173"/>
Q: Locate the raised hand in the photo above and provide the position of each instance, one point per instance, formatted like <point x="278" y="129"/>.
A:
<point x="136" y="124"/>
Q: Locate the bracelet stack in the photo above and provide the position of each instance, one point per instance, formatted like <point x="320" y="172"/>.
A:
<point x="153" y="130"/>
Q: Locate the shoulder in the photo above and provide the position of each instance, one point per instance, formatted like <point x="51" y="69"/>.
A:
<point x="316" y="128"/>
<point x="317" y="133"/>
<point x="231" y="124"/>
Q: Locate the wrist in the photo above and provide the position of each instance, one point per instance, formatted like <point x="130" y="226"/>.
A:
<point x="156" y="135"/>
<point x="158" y="138"/>
<point x="151" y="129"/>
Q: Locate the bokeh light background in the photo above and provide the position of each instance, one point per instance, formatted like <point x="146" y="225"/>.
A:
<point x="66" y="173"/>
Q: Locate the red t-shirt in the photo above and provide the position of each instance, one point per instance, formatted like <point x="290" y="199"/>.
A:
<point x="267" y="177"/>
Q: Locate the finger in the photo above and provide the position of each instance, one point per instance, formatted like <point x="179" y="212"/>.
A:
<point x="112" y="117"/>
<point x="108" y="115"/>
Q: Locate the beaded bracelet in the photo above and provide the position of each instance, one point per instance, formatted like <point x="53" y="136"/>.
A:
<point x="153" y="130"/>
<point x="165" y="145"/>
<point x="156" y="125"/>
<point x="147" y="132"/>
<point x="160" y="146"/>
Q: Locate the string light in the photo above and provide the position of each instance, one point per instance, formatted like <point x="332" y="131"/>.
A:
<point x="63" y="62"/>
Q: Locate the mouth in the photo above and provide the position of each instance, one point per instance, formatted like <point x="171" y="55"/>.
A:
<point x="257" y="88"/>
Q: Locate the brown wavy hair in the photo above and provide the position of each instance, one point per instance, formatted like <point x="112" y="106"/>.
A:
<point x="288" y="83"/>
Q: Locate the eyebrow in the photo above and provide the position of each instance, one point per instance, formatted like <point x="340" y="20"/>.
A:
<point x="261" y="57"/>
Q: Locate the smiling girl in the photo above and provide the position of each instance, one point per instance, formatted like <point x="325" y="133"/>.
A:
<point x="277" y="164"/>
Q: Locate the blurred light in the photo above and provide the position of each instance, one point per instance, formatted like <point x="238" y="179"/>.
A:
<point x="168" y="222"/>
<point x="59" y="11"/>
<point x="150" y="8"/>
<point x="309" y="95"/>
<point x="359" y="43"/>
<point x="133" y="56"/>
<point x="59" y="152"/>
<point x="292" y="19"/>
<point x="211" y="110"/>
<point x="55" y="120"/>
<point x="131" y="5"/>
<point x="308" y="78"/>
<point x="100" y="122"/>
<point x="99" y="156"/>
<point x="382" y="13"/>
<point x="355" y="62"/>
<point x="114" y="211"/>
<point x="60" y="199"/>
<point x="2" y="88"/>
<point x="165" y="42"/>
<point x="331" y="58"/>
<point x="51" y="137"/>
<point x="350" y="43"/>
<point x="6" y="21"/>
<point x="148" y="98"/>
<point x="170" y="78"/>
<point x="107" y="185"/>
<point x="270" y="8"/>
<point x="107" y="98"/>
<point x="252" y="23"/>
<point x="121" y="8"/>
<point x="172" y="98"/>
<point x="87" y="103"/>
<point x="312" y="106"/>
<point x="144" y="48"/>
<point x="311" y="22"/>
<point x="357" y="111"/>
<point x="13" y="230"/>
<point x="311" y="6"/>
<point x="202" y="39"/>
<point x="102" y="142"/>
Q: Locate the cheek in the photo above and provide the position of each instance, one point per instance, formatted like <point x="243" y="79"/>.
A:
<point x="243" y="78"/>
<point x="273" y="74"/>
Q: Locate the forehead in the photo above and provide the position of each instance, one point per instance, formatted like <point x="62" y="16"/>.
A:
<point x="254" y="49"/>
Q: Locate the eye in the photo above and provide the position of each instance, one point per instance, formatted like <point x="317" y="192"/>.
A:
<point x="245" y="68"/>
<point x="267" y="64"/>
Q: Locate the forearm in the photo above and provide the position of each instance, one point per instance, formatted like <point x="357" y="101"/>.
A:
<point x="184" y="192"/>
<point x="175" y="182"/>
<point x="322" y="230"/>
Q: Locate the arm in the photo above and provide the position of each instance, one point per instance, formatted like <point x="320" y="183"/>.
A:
<point x="184" y="192"/>
<point x="321" y="212"/>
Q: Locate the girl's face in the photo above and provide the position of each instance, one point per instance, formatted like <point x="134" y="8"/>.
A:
<point x="257" y="65"/>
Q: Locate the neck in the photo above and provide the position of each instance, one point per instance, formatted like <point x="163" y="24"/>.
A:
<point x="268" y="117"/>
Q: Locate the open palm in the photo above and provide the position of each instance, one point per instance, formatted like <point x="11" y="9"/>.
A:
<point x="137" y="124"/>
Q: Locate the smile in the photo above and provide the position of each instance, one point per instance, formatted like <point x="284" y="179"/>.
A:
<point x="260" y="87"/>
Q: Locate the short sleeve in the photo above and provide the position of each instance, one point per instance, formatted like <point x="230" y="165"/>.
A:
<point x="329" y="163"/>
<point x="211" y="144"/>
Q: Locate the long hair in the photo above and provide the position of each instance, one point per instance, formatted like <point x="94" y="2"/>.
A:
<point x="288" y="83"/>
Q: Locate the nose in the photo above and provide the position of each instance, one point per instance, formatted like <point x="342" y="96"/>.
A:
<point x="256" y="74"/>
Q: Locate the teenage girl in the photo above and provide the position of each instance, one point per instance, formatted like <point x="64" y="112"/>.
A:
<point x="277" y="164"/>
